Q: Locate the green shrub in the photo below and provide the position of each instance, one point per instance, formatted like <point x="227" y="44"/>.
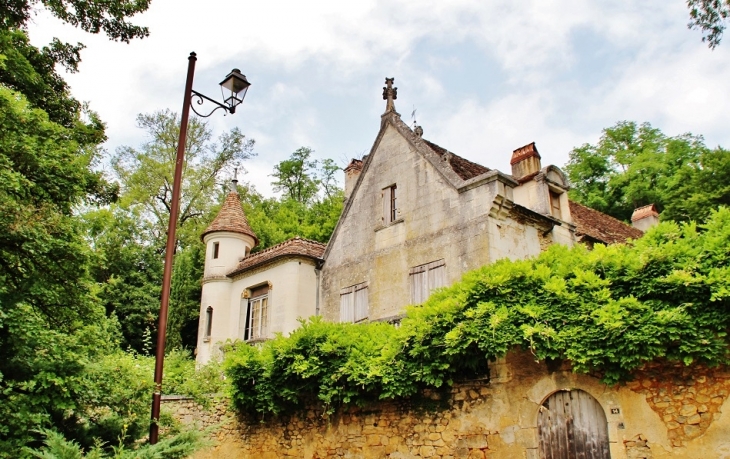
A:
<point x="178" y="446"/>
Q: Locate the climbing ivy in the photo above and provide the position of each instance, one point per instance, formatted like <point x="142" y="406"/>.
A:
<point x="608" y="311"/>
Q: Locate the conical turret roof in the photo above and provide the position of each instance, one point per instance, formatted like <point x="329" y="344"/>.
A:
<point x="231" y="218"/>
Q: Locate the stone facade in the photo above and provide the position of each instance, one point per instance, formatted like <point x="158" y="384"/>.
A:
<point x="651" y="417"/>
<point x="416" y="217"/>
<point x="447" y="209"/>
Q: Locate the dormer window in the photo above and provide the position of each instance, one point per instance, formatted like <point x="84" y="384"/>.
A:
<point x="390" y="204"/>
<point x="216" y="247"/>
<point x="555" y="204"/>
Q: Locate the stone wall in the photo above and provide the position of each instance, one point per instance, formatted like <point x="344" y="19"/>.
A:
<point x="687" y="399"/>
<point x="652" y="417"/>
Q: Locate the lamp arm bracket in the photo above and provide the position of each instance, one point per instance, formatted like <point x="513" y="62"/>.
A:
<point x="201" y="98"/>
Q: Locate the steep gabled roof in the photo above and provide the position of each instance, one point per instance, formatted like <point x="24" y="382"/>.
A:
<point x="231" y="218"/>
<point x="459" y="172"/>
<point x="462" y="166"/>
<point x="599" y="226"/>
<point x="295" y="247"/>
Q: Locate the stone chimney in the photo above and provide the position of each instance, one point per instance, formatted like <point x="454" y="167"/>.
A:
<point x="645" y="217"/>
<point x="352" y="172"/>
<point x="525" y="161"/>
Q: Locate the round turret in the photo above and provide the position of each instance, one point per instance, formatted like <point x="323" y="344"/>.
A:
<point x="228" y="239"/>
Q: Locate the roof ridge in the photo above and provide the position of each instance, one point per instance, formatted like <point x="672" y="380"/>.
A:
<point x="292" y="247"/>
<point x="288" y="241"/>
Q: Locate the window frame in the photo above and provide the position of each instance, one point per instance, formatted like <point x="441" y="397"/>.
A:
<point x="258" y="318"/>
<point x="216" y="250"/>
<point x="208" y="331"/>
<point x="389" y="198"/>
<point x="555" y="197"/>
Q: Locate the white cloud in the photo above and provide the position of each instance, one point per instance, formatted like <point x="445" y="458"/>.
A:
<point x="486" y="77"/>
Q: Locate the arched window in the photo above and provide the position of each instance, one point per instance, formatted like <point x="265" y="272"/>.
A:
<point x="208" y="322"/>
<point x="571" y="425"/>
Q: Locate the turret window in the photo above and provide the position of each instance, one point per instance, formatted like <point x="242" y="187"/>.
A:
<point x="216" y="247"/>
<point x="208" y="323"/>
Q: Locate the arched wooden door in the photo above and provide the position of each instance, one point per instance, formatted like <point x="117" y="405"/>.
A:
<point x="572" y="425"/>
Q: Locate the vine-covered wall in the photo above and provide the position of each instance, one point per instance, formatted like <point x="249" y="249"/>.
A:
<point x="496" y="418"/>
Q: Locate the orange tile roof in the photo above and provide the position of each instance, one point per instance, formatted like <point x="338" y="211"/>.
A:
<point x="231" y="218"/>
<point x="291" y="248"/>
<point x="601" y="227"/>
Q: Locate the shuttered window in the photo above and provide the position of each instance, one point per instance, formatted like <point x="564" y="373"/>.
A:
<point x="425" y="278"/>
<point x="354" y="303"/>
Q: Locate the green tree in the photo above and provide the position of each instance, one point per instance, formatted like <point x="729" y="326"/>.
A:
<point x="296" y="177"/>
<point x="32" y="71"/>
<point x="146" y="173"/>
<point x="127" y="270"/>
<point x="709" y="16"/>
<point x="634" y="165"/>
<point x="51" y="326"/>
<point x="309" y="208"/>
<point x="187" y="274"/>
<point x="700" y="187"/>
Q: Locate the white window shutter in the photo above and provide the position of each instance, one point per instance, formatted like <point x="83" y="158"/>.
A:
<point x="361" y="304"/>
<point x="347" y="304"/>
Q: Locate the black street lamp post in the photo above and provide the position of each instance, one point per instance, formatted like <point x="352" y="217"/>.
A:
<point x="233" y="88"/>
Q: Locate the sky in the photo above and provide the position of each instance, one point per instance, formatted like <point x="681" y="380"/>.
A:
<point x="485" y="77"/>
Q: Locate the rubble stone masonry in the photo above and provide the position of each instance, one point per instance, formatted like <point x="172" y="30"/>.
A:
<point x="667" y="411"/>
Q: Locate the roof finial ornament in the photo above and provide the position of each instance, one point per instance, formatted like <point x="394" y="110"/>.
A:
<point x="234" y="181"/>
<point x="389" y="94"/>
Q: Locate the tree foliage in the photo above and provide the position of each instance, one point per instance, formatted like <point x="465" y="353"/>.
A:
<point x="127" y="270"/>
<point x="608" y="311"/>
<point x="296" y="176"/>
<point x="146" y="173"/>
<point x="51" y="325"/>
<point x="635" y="165"/>
<point x="91" y="16"/>
<point x="709" y="16"/>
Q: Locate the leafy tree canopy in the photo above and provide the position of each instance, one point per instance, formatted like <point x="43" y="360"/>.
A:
<point x="309" y="207"/>
<point x="607" y="311"/>
<point x="146" y="173"/>
<point x="709" y="16"/>
<point x="296" y="176"/>
<point x="635" y="165"/>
